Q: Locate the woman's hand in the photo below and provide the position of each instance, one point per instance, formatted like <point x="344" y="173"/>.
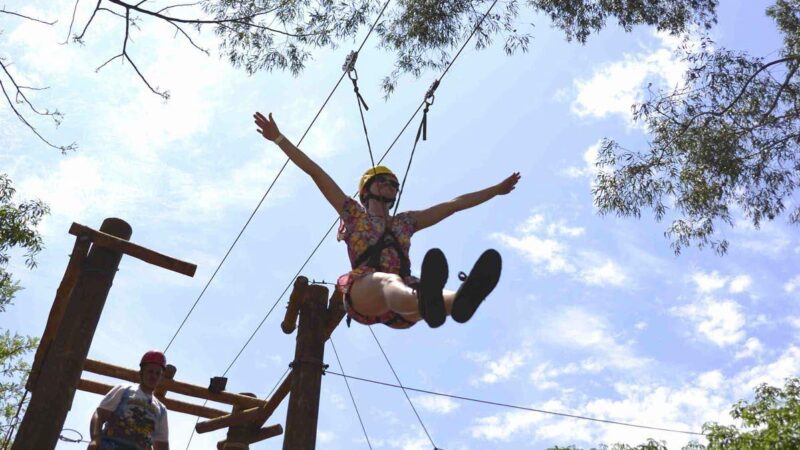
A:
<point x="267" y="126"/>
<point x="508" y="185"/>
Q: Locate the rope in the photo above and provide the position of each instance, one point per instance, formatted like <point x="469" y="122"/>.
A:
<point x="506" y="405"/>
<point x="347" y="383"/>
<point x="403" y="389"/>
<point x="286" y="163"/>
<point x="423" y="126"/>
<point x="15" y="421"/>
<point x="353" y="75"/>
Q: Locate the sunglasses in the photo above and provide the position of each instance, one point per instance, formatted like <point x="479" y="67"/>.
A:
<point x="388" y="180"/>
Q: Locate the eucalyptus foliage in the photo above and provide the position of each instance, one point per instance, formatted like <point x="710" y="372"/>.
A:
<point x="723" y="146"/>
<point x="422" y="34"/>
<point x="18" y="223"/>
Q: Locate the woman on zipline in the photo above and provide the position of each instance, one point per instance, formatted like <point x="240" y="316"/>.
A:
<point x="380" y="288"/>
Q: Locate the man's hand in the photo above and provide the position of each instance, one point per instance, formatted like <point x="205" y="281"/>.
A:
<point x="94" y="445"/>
<point x="267" y="126"/>
<point x="508" y="185"/>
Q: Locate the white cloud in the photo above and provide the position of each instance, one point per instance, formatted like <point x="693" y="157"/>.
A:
<point x="325" y="437"/>
<point x="541" y="252"/>
<point x="683" y="406"/>
<point x="740" y="284"/>
<point x="751" y="347"/>
<point x="792" y="284"/>
<point x="436" y="404"/>
<point x="504" y="426"/>
<point x="711" y="380"/>
<point x="504" y="367"/>
<point x="544" y="244"/>
<point x="640" y="325"/>
<point x="708" y="282"/>
<point x="720" y="321"/>
<point x="615" y="87"/>
<point x="607" y="273"/>
<point x="774" y="373"/>
<point x="577" y="328"/>
<point x="589" y="169"/>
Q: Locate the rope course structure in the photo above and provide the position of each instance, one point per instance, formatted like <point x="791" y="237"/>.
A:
<point x="349" y="70"/>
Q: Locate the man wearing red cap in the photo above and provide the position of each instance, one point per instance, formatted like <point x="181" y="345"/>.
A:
<point x="131" y="418"/>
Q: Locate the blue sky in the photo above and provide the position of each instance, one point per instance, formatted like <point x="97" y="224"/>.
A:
<point x="593" y="316"/>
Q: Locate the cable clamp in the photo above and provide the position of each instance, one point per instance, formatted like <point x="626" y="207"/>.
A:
<point x="311" y="361"/>
<point x="350" y="64"/>
<point x="431" y="91"/>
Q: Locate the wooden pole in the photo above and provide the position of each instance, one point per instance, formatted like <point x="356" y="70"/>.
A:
<point x="61" y="368"/>
<point x="303" y="412"/>
<point x="64" y="291"/>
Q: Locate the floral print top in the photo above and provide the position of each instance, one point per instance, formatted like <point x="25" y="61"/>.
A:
<point x="359" y="230"/>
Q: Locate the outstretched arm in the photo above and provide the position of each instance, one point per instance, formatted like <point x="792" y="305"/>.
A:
<point x="332" y="192"/>
<point x="436" y="214"/>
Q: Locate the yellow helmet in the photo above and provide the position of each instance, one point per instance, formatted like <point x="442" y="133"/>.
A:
<point x="371" y="172"/>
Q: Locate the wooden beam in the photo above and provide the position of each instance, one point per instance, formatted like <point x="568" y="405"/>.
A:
<point x="260" y="435"/>
<point x="258" y="415"/>
<point x="191" y="390"/>
<point x="63" y="293"/>
<point x="290" y="319"/>
<point x="131" y="249"/>
<point x="173" y="405"/>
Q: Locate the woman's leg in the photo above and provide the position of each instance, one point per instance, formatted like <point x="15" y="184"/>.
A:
<point x="378" y="292"/>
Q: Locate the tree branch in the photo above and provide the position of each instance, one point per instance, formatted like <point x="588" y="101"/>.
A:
<point x="96" y="8"/>
<point x="71" y="22"/>
<point x="62" y="148"/>
<point x="240" y="20"/>
<point x="775" y="101"/>
<point x="5" y="11"/>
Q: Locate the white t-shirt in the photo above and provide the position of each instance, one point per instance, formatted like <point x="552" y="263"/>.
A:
<point x="140" y="402"/>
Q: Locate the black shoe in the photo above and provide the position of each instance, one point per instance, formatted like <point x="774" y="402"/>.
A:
<point x="431" y="283"/>
<point x="481" y="281"/>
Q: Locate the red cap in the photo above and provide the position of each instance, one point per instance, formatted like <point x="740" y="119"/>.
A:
<point x="154" y="357"/>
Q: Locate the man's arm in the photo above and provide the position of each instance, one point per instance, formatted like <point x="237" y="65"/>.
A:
<point x="437" y="213"/>
<point x="157" y="445"/>
<point x="99" y="418"/>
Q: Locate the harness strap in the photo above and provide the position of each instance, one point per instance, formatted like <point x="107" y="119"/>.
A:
<point x="372" y="255"/>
